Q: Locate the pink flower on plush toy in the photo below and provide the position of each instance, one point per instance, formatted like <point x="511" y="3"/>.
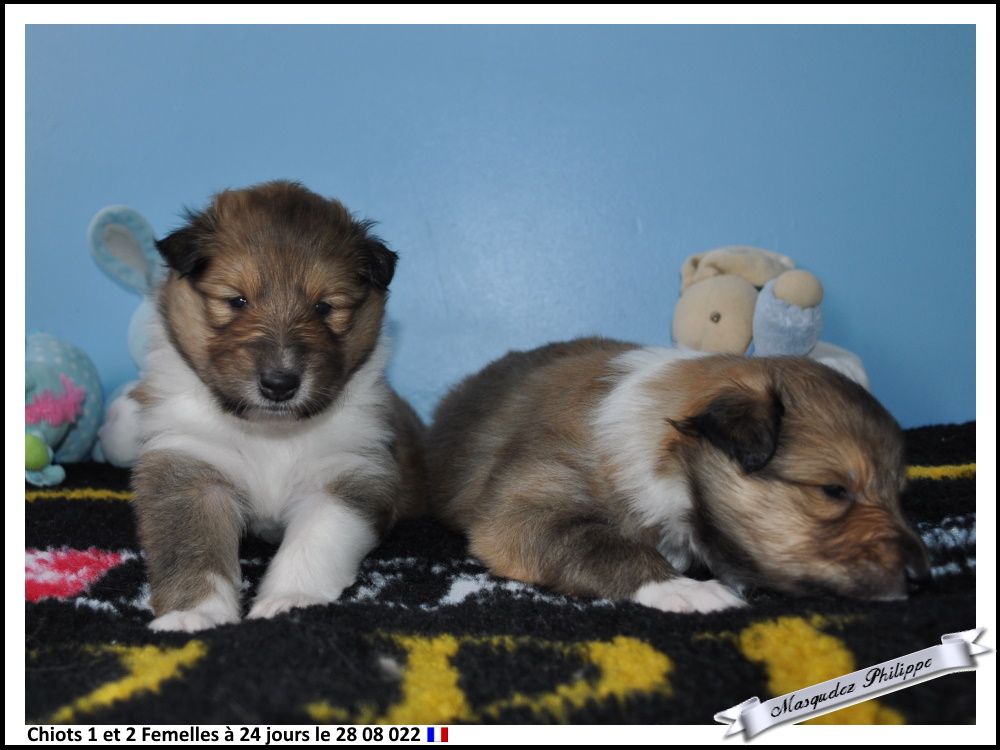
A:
<point x="56" y="410"/>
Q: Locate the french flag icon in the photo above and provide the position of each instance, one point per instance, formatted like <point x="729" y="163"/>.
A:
<point x="441" y="731"/>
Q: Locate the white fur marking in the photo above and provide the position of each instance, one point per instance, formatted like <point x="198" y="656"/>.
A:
<point x="273" y="463"/>
<point x="687" y="595"/>
<point x="319" y="557"/>
<point x="219" y="608"/>
<point x="629" y="426"/>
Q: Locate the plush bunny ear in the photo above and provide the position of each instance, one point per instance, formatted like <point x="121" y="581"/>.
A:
<point x="122" y="243"/>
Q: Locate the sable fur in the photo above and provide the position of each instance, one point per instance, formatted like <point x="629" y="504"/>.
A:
<point x="190" y="519"/>
<point x="332" y="465"/>
<point x="284" y="250"/>
<point x="603" y="468"/>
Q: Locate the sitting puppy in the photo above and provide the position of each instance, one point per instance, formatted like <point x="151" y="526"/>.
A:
<point x="601" y="468"/>
<point x="264" y="407"/>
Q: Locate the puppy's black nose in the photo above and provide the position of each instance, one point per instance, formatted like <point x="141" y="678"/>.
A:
<point x="279" y="385"/>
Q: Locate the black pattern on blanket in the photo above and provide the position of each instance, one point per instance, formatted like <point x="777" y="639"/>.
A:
<point x="427" y="636"/>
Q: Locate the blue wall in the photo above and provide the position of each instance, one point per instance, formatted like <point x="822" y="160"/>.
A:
<point x="538" y="182"/>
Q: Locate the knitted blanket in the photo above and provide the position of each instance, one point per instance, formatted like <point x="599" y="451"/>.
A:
<point x="427" y="636"/>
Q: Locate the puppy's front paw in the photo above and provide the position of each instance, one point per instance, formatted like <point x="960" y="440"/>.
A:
<point x="219" y="608"/>
<point x="192" y="620"/>
<point x="267" y="607"/>
<point x="687" y="595"/>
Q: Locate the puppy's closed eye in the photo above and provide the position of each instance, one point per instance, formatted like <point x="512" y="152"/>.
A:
<point x="836" y="492"/>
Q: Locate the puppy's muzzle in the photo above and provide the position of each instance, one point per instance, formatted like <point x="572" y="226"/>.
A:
<point x="279" y="385"/>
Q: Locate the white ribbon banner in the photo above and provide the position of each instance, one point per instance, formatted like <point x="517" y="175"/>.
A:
<point x="953" y="655"/>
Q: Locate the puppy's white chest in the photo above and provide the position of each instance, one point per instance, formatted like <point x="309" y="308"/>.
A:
<point x="274" y="472"/>
<point x="271" y="466"/>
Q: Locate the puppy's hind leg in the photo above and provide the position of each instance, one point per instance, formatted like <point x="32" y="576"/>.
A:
<point x="328" y="535"/>
<point x="190" y="524"/>
<point x="573" y="549"/>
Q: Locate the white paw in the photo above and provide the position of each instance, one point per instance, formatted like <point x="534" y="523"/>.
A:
<point x="219" y="608"/>
<point x="687" y="595"/>
<point x="191" y="620"/>
<point x="267" y="607"/>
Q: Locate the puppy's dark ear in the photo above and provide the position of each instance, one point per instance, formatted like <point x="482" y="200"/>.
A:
<point x="743" y="425"/>
<point x="378" y="263"/>
<point x="183" y="251"/>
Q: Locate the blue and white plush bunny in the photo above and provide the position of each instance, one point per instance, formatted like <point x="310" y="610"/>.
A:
<point x="123" y="244"/>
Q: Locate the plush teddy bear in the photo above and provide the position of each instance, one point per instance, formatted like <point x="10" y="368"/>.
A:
<point x="124" y="247"/>
<point x="734" y="296"/>
<point x="747" y="300"/>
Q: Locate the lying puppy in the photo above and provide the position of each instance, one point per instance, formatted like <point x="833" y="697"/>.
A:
<point x="265" y="407"/>
<point x="601" y="468"/>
